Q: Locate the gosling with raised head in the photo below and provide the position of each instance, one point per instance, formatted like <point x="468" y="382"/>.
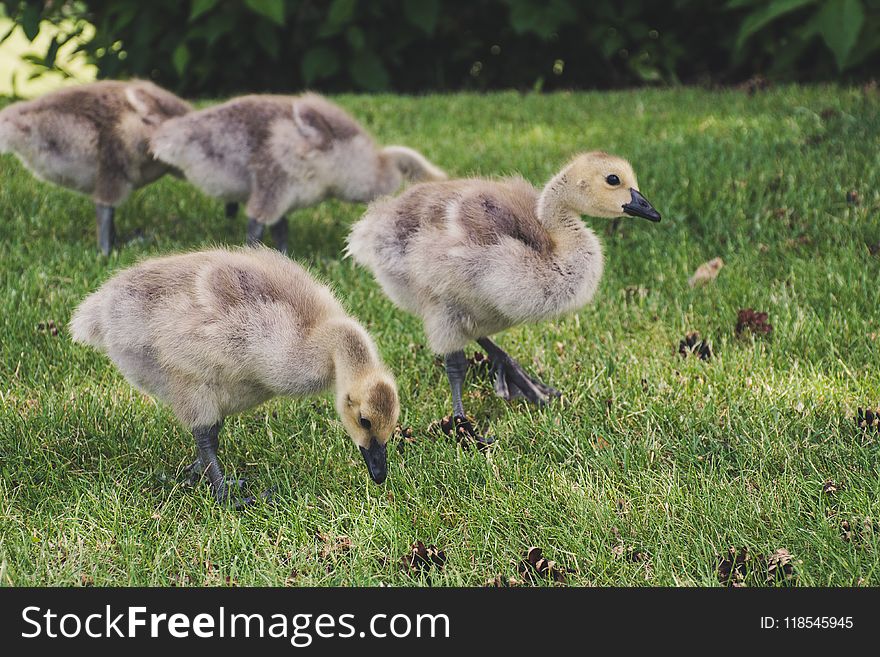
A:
<point x="473" y="257"/>
<point x="278" y="153"/>
<point x="93" y="139"/>
<point x="213" y="333"/>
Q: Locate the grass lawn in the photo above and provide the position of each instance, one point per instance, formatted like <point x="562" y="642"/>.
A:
<point x="648" y="468"/>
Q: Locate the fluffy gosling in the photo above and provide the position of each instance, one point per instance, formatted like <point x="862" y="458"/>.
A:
<point x="278" y="153"/>
<point x="473" y="257"/>
<point x="93" y="139"/>
<point x="217" y="332"/>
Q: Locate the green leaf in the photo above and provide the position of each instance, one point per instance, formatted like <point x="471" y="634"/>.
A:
<point x="52" y="53"/>
<point x="422" y="14"/>
<point x="180" y="58"/>
<point x="200" y="7"/>
<point x="339" y="15"/>
<point x="765" y="15"/>
<point x="318" y="63"/>
<point x="267" y="37"/>
<point x="30" y="21"/>
<point x="840" y="22"/>
<point x="368" y="71"/>
<point x="271" y="9"/>
<point x="738" y="4"/>
<point x="8" y="33"/>
<point x="341" y="11"/>
<point x="541" y="18"/>
<point x="355" y="37"/>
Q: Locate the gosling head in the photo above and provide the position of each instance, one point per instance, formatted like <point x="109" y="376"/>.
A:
<point x="404" y="164"/>
<point x="368" y="406"/>
<point x="603" y="185"/>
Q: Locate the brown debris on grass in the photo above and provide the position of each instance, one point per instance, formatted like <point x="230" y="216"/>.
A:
<point x="868" y="419"/>
<point x="831" y="487"/>
<point x="754" y="322"/>
<point x="853" y="198"/>
<point x="858" y="530"/>
<point x="780" y="566"/>
<point x="331" y="545"/>
<point x="48" y="327"/>
<point x="499" y="582"/>
<point x="406" y="437"/>
<point x="534" y="567"/>
<point x="738" y="567"/>
<point x="422" y="558"/>
<point x="692" y="345"/>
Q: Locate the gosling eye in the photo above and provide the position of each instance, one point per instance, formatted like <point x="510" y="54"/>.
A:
<point x="612" y="180"/>
<point x="365" y="423"/>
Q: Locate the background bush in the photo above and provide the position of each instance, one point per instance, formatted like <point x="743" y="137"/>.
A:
<point x="217" y="47"/>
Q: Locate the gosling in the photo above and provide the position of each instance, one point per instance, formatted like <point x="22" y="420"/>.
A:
<point x="93" y="139"/>
<point x="473" y="257"/>
<point x="213" y="333"/>
<point x="279" y="153"/>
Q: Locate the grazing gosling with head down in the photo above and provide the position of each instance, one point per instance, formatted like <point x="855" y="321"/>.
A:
<point x="217" y="332"/>
<point x="473" y="257"/>
<point x="278" y="153"/>
<point x="93" y="139"/>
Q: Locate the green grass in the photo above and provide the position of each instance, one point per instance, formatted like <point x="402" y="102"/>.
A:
<point x="677" y="459"/>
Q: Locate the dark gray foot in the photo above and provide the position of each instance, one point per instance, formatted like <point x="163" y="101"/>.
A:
<point x="462" y="429"/>
<point x="195" y="473"/>
<point x="106" y="228"/>
<point x="208" y="465"/>
<point x="512" y="381"/>
<point x="255" y="231"/>
<point x="231" y="210"/>
<point x="279" y="232"/>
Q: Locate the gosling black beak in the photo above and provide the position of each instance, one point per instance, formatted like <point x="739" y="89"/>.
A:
<point x="375" y="458"/>
<point x="640" y="207"/>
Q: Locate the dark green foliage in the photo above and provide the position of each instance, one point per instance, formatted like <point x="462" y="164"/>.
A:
<point x="216" y="46"/>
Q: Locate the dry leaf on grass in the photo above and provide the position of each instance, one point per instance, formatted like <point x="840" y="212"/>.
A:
<point x="707" y="272"/>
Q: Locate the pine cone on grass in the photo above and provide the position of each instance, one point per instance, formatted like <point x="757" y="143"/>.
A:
<point x="693" y="346"/>
<point x="754" y="322"/>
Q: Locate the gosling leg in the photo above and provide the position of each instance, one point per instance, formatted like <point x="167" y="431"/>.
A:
<point x="231" y="210"/>
<point x="195" y="471"/>
<point x="255" y="230"/>
<point x="207" y="443"/>
<point x="512" y="381"/>
<point x="279" y="231"/>
<point x="106" y="229"/>
<point x="456" y="368"/>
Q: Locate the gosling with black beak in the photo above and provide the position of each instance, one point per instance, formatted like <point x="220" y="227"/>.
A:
<point x="473" y="257"/>
<point x="214" y="333"/>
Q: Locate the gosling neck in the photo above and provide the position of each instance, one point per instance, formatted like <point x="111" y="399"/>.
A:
<point x="554" y="209"/>
<point x="352" y="351"/>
